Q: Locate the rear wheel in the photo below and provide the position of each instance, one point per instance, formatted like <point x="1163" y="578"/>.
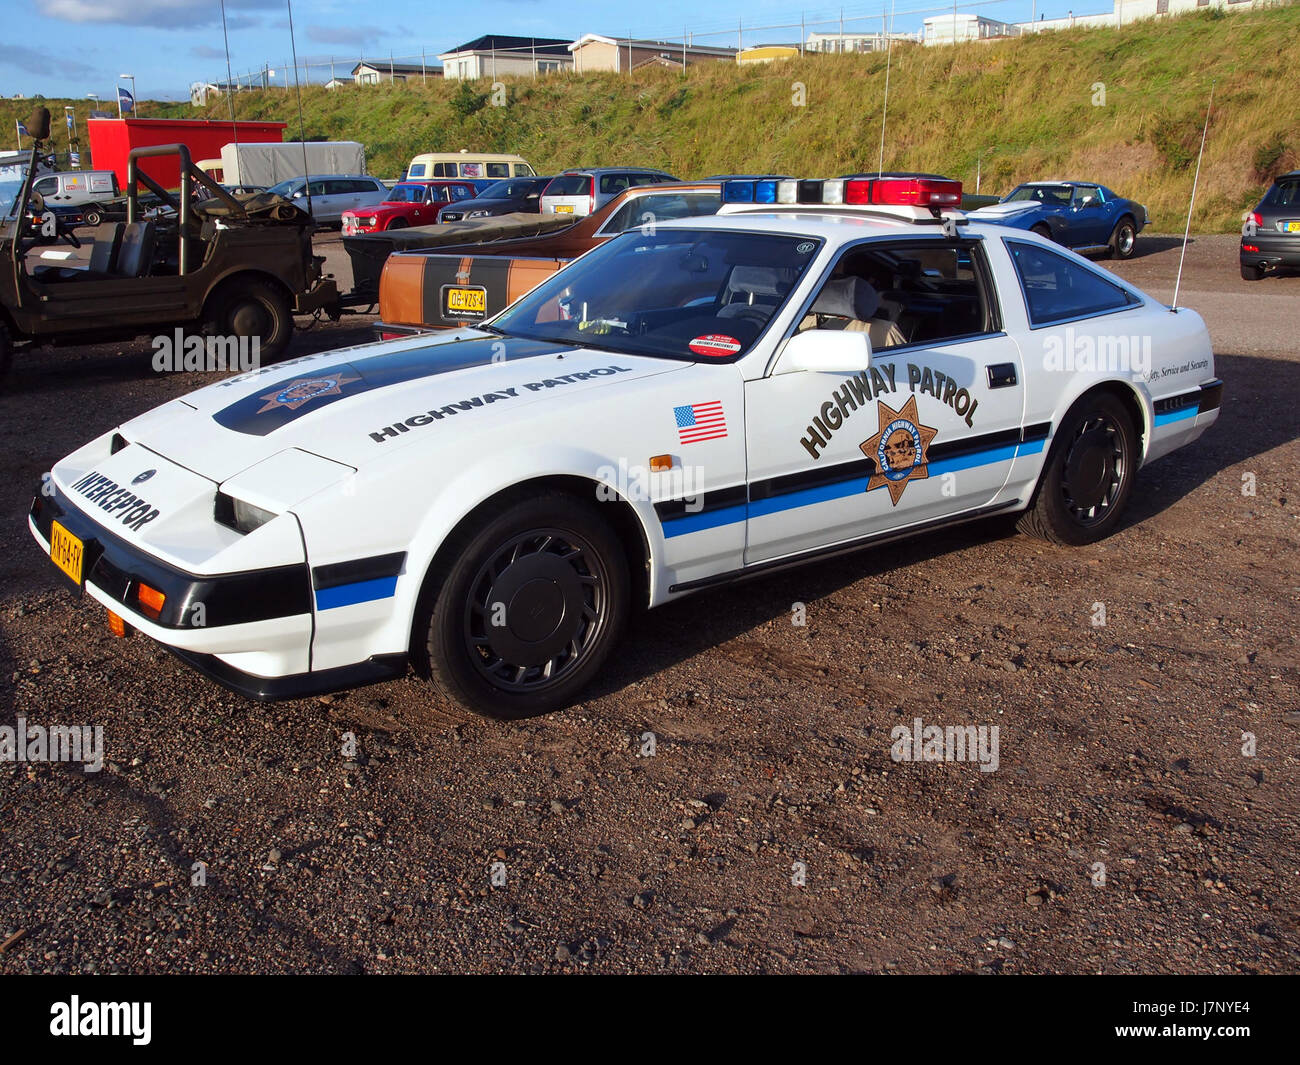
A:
<point x="249" y="307"/>
<point x="94" y="215"/>
<point x="529" y="604"/>
<point x="1251" y="273"/>
<point x="1088" y="475"/>
<point x="1042" y="231"/>
<point x="1123" y="239"/>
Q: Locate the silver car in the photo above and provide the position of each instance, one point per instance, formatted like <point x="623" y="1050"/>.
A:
<point x="579" y="192"/>
<point x="332" y="194"/>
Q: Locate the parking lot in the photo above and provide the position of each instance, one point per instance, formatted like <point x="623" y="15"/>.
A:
<point x="726" y="800"/>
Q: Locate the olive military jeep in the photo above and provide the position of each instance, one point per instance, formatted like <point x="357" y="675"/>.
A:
<point x="222" y="265"/>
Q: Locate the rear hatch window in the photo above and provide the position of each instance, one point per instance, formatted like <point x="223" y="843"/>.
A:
<point x="569" y="185"/>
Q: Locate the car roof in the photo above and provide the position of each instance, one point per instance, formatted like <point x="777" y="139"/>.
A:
<point x="610" y="170"/>
<point x="834" y="225"/>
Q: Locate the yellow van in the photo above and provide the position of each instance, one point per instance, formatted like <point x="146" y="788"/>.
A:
<point x="467" y="164"/>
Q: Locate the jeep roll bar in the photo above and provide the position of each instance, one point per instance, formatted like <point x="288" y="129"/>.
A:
<point x="184" y="209"/>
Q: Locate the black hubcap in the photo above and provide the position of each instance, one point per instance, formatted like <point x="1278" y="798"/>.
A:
<point x="1094" y="470"/>
<point x="249" y="319"/>
<point x="535" y="609"/>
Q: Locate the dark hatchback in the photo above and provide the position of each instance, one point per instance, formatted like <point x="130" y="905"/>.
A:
<point x="501" y="197"/>
<point x="1270" y="240"/>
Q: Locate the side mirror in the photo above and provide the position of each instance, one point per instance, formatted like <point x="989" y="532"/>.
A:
<point x="826" y="351"/>
<point x="298" y="195"/>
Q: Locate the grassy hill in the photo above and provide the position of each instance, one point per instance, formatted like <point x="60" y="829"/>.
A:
<point x="1120" y="106"/>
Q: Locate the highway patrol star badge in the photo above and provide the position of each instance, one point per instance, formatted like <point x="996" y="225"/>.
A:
<point x="900" y="449"/>
<point x="303" y="390"/>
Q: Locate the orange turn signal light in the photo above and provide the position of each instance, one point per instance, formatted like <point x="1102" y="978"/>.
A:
<point x="116" y="625"/>
<point x="660" y="463"/>
<point x="151" y="600"/>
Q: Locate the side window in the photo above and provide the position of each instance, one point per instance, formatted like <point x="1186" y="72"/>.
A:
<point x="498" y="170"/>
<point x="660" y="208"/>
<point x="460" y="192"/>
<point x="440" y="169"/>
<point x="319" y="188"/>
<point x="1086" y="196"/>
<point x="416" y="170"/>
<point x="907" y="294"/>
<point x="336" y="188"/>
<point x="47" y="186"/>
<point x="524" y="170"/>
<point x="1058" y="290"/>
<point x="612" y="184"/>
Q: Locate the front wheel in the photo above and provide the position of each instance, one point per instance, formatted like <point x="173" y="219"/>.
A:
<point x="1123" y="240"/>
<point x="1088" y="476"/>
<point x="1042" y="230"/>
<point x="532" y="599"/>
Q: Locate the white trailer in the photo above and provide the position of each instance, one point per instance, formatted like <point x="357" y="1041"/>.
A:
<point x="270" y="163"/>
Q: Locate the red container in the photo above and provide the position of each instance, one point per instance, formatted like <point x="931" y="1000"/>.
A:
<point x="111" y="140"/>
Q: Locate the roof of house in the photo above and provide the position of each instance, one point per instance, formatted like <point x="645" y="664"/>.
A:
<point x="673" y="47"/>
<point x="496" y="42"/>
<point x="384" y="66"/>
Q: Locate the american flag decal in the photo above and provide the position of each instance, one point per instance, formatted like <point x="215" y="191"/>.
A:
<point x="700" y="421"/>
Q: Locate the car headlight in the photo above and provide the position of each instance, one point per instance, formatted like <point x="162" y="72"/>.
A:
<point x="368" y="221"/>
<point x="477" y="214"/>
<point x="238" y="515"/>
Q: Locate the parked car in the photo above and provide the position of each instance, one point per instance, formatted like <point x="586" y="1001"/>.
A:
<point x="77" y="188"/>
<point x="501" y="197"/>
<point x="467" y="164"/>
<point x="463" y="503"/>
<point x="441" y="288"/>
<point x="581" y="191"/>
<point x="332" y="194"/>
<point x="1270" y="239"/>
<point x="409" y="203"/>
<point x="1078" y="214"/>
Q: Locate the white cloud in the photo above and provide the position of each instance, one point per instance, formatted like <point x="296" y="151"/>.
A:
<point x="161" y="14"/>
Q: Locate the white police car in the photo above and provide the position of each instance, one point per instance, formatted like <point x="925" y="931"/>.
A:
<point x="822" y="366"/>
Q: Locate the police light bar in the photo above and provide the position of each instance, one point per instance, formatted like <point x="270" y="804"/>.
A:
<point x="854" y="192"/>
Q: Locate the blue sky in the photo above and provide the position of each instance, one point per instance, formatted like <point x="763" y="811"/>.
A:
<point x="70" y="48"/>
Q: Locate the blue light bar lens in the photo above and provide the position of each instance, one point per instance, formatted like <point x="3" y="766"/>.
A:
<point x="738" y="192"/>
<point x="765" y="192"/>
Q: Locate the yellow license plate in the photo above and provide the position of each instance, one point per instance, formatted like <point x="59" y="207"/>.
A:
<point x="66" y="551"/>
<point x="466" y="301"/>
<point x="564" y="208"/>
<point x="1293" y="227"/>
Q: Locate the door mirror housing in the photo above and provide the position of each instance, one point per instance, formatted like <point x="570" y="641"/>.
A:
<point x="826" y="351"/>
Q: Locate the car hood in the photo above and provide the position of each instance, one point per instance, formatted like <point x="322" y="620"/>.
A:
<point x="1006" y="210"/>
<point x="356" y="405"/>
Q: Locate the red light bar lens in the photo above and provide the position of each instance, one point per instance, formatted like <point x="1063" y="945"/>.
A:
<point x="903" y="192"/>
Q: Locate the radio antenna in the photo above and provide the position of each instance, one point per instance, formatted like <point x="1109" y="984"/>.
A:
<point x="1192" y="204"/>
<point x="889" y="53"/>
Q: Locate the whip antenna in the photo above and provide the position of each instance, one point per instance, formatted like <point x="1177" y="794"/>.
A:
<point x="302" y="135"/>
<point x="889" y="53"/>
<point x="1191" y="205"/>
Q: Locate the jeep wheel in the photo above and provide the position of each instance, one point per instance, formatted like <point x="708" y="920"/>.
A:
<point x="252" y="308"/>
<point x="93" y="215"/>
<point x="531" y="601"/>
<point x="1088" y="474"/>
<point x="1123" y="241"/>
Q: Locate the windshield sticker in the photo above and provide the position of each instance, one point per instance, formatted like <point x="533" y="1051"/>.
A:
<point x="718" y="345"/>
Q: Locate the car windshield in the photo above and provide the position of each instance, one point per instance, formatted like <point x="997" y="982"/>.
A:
<point x="1058" y="194"/>
<point x="668" y="293"/>
<point x="11" y="187"/>
<point x="285" y="188"/>
<point x="405" y="194"/>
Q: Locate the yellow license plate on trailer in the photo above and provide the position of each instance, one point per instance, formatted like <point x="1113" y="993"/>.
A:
<point x="66" y="551"/>
<point x="466" y="301"/>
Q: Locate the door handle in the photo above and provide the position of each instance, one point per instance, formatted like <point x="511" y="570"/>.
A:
<point x="1002" y="375"/>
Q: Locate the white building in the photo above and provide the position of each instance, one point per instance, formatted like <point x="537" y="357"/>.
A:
<point x="949" y="28"/>
<point x="855" y="42"/>
<point x="1126" y="11"/>
<point x="495" y="55"/>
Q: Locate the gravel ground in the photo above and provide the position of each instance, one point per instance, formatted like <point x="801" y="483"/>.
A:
<point x="769" y="830"/>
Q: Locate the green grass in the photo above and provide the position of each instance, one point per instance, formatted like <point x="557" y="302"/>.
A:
<point x="1028" y="100"/>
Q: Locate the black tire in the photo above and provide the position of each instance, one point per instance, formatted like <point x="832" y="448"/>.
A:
<point x="1088" y="475"/>
<point x="248" y="307"/>
<point x="1251" y="273"/>
<point x="93" y="215"/>
<point x="1042" y="230"/>
<point x="556" y="573"/>
<point x="397" y="223"/>
<point x="1123" y="238"/>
